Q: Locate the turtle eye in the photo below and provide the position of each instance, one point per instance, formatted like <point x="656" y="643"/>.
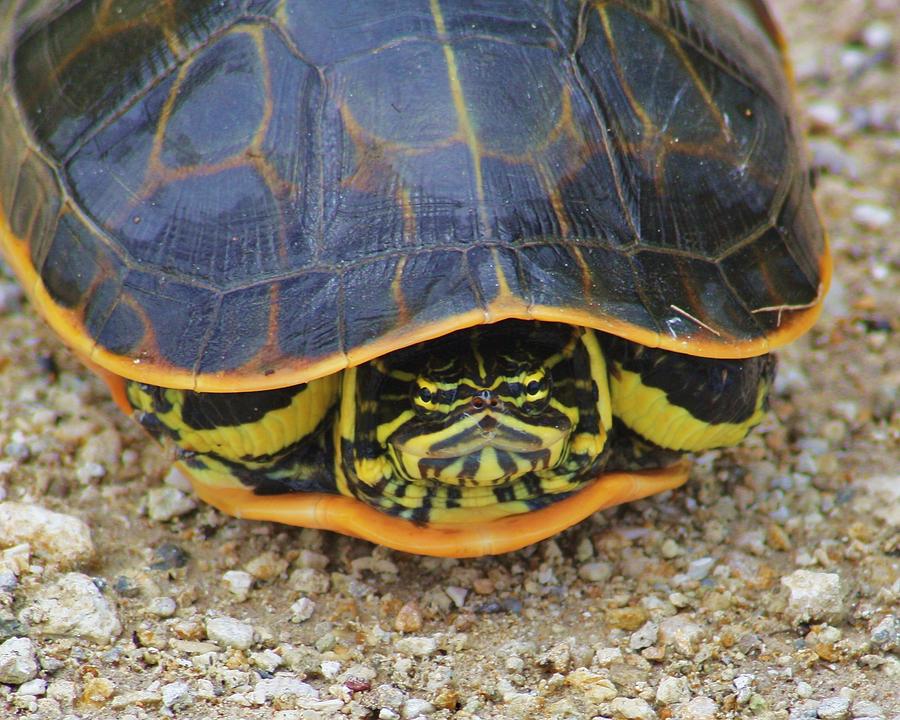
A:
<point x="535" y="385"/>
<point x="424" y="395"/>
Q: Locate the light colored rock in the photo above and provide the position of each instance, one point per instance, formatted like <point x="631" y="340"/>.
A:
<point x="813" y="596"/>
<point x="177" y="695"/>
<point x="595" y="687"/>
<point x="414" y="707"/>
<point x="597" y="571"/>
<point x="166" y="502"/>
<point x="73" y="607"/>
<point x="886" y="634"/>
<point x="63" y="541"/>
<point x="302" y="610"/>
<point x="644" y="637"/>
<point x="18" y="662"/>
<point x="238" y="583"/>
<point x="673" y="690"/>
<point x="228" y="632"/>
<point x="281" y="686"/>
<point x="632" y="708"/>
<point x="162" y="607"/>
<point x="682" y="633"/>
<point x="414" y="645"/>
<point x="699" y="708"/>
<point x="36" y="687"/>
<point x="833" y="708"/>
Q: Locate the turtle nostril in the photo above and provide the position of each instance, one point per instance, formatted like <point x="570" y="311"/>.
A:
<point x="477" y="402"/>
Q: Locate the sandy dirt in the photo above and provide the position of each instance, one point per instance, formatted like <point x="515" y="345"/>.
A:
<point x="677" y="606"/>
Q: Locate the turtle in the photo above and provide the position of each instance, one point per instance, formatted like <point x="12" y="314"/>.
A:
<point x="448" y="276"/>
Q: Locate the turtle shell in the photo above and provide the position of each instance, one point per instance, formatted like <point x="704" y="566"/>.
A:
<point x="248" y="195"/>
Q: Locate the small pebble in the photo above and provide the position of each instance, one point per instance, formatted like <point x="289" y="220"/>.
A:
<point x="176" y="695"/>
<point x="73" y="607"/>
<point x="833" y="708"/>
<point x="18" y="661"/>
<point x="282" y="686"/>
<point x="267" y="660"/>
<point x="169" y="556"/>
<point x="813" y="596"/>
<point x="413" y="645"/>
<point x="804" y="690"/>
<point x="302" y="610"/>
<point x="878" y="35"/>
<point x="681" y="632"/>
<point x="886" y="634"/>
<point x="36" y="687"/>
<point x="266" y="566"/>
<point x="699" y="569"/>
<point x="597" y="571"/>
<point x="415" y="707"/>
<point x="166" y="502"/>
<point x="698" y="708"/>
<point x="866" y="708"/>
<point x="409" y="618"/>
<point x="238" y="583"/>
<point x="635" y="708"/>
<point x="644" y="637"/>
<point x="872" y="217"/>
<point x="456" y="594"/>
<point x="60" y="540"/>
<point x="228" y="632"/>
<point x="163" y="607"/>
<point x="673" y="690"/>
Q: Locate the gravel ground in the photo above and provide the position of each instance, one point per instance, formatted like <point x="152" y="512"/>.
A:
<point x="769" y="587"/>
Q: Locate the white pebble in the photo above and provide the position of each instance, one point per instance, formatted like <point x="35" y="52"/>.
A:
<point x="267" y="660"/>
<point x="238" y="583"/>
<point x="833" y="708"/>
<point x="681" y="632"/>
<point x="163" y="607"/>
<point x="281" y="686"/>
<point x="330" y="669"/>
<point x="597" y="571"/>
<point x="420" y="646"/>
<point x="804" y="690"/>
<point x="824" y="115"/>
<point x="877" y="35"/>
<point x="302" y="610"/>
<point x="632" y="708"/>
<point x="228" y="632"/>
<point x="73" y="607"/>
<point x="700" y="708"/>
<point x="644" y="637"/>
<point x="673" y="690"/>
<point x="36" y="687"/>
<point x="871" y="216"/>
<point x="166" y="502"/>
<point x="18" y="662"/>
<point x="866" y="708"/>
<point x="699" y="568"/>
<point x="176" y="695"/>
<point x="456" y="594"/>
<point x="813" y="596"/>
<point x="415" y="707"/>
<point x="61" y="540"/>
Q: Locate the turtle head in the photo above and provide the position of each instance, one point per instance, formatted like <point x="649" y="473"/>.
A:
<point x="480" y="413"/>
<point x="493" y="419"/>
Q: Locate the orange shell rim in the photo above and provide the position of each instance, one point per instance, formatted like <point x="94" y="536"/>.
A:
<point x="351" y="517"/>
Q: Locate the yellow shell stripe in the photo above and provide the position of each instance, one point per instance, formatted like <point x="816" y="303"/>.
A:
<point x="647" y="411"/>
